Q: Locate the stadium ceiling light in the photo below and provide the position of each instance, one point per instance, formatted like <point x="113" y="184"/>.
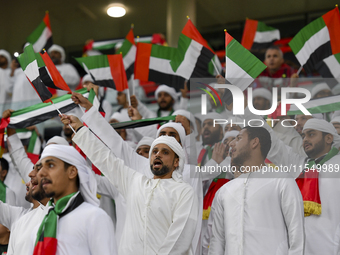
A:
<point x="116" y="10"/>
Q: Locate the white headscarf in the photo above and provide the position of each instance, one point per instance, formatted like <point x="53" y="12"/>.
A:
<point x="318" y="88"/>
<point x="164" y="88"/>
<point x="323" y="126"/>
<point x="6" y="54"/>
<point x="57" y="140"/>
<point x="232" y="133"/>
<point x="175" y="146"/>
<point x="145" y="141"/>
<point x="211" y="115"/>
<point x="87" y="181"/>
<point x="58" y="48"/>
<point x="190" y="117"/>
<point x="336" y="89"/>
<point x="336" y="119"/>
<point x="262" y="92"/>
<point x="120" y="117"/>
<point x="86" y="78"/>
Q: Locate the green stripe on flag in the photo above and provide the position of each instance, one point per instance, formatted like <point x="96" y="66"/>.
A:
<point x="2" y="192"/>
<point x="262" y="27"/>
<point x="126" y="46"/>
<point x="27" y="57"/>
<point x="93" y="62"/>
<point x="142" y="123"/>
<point x="33" y="139"/>
<point x="244" y="59"/>
<point x="42" y="105"/>
<point x="91" y="95"/>
<point x="105" y="46"/>
<point x="183" y="45"/>
<point x="34" y="36"/>
<point x="163" y="52"/>
<point x="305" y="34"/>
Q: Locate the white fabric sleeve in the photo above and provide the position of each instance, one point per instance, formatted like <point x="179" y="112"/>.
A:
<point x="10" y="197"/>
<point x="183" y="103"/>
<point x="10" y="214"/>
<point x="217" y="242"/>
<point x="293" y="213"/>
<point x="145" y="112"/>
<point x="191" y="149"/>
<point x="101" y="234"/>
<point x="182" y="230"/>
<point x="121" y="149"/>
<point x="102" y="157"/>
<point x="19" y="157"/>
<point x="105" y="187"/>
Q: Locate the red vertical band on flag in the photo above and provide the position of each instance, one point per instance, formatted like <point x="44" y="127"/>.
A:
<point x="191" y="31"/>
<point x="118" y="71"/>
<point x="47" y="20"/>
<point x="142" y="61"/>
<point x="332" y="21"/>
<point x="228" y="39"/>
<point x="130" y="37"/>
<point x="56" y="77"/>
<point x="249" y="32"/>
<point x="88" y="46"/>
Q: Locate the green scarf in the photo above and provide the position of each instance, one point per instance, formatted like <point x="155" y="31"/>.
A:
<point x="2" y="192"/>
<point x="46" y="242"/>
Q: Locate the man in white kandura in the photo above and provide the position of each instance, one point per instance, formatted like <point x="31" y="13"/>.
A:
<point x="162" y="212"/>
<point x="256" y="213"/>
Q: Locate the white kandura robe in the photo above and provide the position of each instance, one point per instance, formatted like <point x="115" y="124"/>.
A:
<point x="86" y="230"/>
<point x="70" y="75"/>
<point x="10" y="214"/>
<point x="95" y="121"/>
<point x="322" y="231"/>
<point x="257" y="214"/>
<point x="20" y="239"/>
<point x="161" y="215"/>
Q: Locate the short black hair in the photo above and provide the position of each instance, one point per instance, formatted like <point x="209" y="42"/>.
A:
<point x="263" y="135"/>
<point x="66" y="166"/>
<point x="4" y="164"/>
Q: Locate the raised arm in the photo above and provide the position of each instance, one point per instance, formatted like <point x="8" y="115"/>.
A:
<point x="9" y="214"/>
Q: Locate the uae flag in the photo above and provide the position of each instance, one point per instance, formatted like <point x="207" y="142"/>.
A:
<point x="41" y="112"/>
<point x="29" y="64"/>
<point x="30" y="139"/>
<point x="3" y="125"/>
<point x="193" y="54"/>
<point x="242" y="67"/>
<point x="257" y="35"/>
<point x="153" y="64"/>
<point x="315" y="44"/>
<point x="128" y="51"/>
<point x="142" y="122"/>
<point x="106" y="70"/>
<point x="321" y="105"/>
<point x="41" y="37"/>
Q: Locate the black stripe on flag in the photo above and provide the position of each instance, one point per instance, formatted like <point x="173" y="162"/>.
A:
<point x="48" y="43"/>
<point x="260" y="46"/>
<point x="46" y="78"/>
<point x="177" y="82"/>
<point x="201" y="69"/>
<point x="106" y="83"/>
<point x="323" y="69"/>
<point x="317" y="56"/>
<point x="36" y="119"/>
<point x="41" y="89"/>
<point x="129" y="71"/>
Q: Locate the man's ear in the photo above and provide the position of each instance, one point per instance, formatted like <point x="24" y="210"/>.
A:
<point x="255" y="142"/>
<point x="176" y="162"/>
<point x="72" y="172"/>
<point x="329" y="139"/>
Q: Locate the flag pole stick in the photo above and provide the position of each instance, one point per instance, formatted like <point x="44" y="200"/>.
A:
<point x="62" y="114"/>
<point x="128" y="95"/>
<point x="212" y="61"/>
<point x="81" y="109"/>
<point x="298" y="72"/>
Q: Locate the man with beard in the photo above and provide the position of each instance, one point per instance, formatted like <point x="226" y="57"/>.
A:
<point x="164" y="205"/>
<point x="319" y="188"/>
<point x="67" y="71"/>
<point x="20" y="241"/>
<point x="256" y="213"/>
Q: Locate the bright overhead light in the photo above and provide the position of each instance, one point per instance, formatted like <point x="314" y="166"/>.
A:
<point x="116" y="10"/>
<point x="16" y="54"/>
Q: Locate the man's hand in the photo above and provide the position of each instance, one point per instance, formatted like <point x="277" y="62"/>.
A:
<point x="71" y="120"/>
<point x="134" y="113"/>
<point x="90" y="86"/>
<point x="81" y="100"/>
<point x="134" y="101"/>
<point x="220" y="79"/>
<point x="185" y="90"/>
<point x="6" y="114"/>
<point x="185" y="123"/>
<point x="218" y="152"/>
<point x="294" y="80"/>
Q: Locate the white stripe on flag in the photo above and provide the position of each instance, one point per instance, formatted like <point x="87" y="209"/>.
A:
<point x="334" y="66"/>
<point x="40" y="43"/>
<point x="32" y="71"/>
<point x="40" y="111"/>
<point x="267" y="36"/>
<point x="103" y="73"/>
<point x="318" y="39"/>
<point x="130" y="57"/>
<point x="161" y="65"/>
<point x="236" y="75"/>
<point x="187" y="66"/>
